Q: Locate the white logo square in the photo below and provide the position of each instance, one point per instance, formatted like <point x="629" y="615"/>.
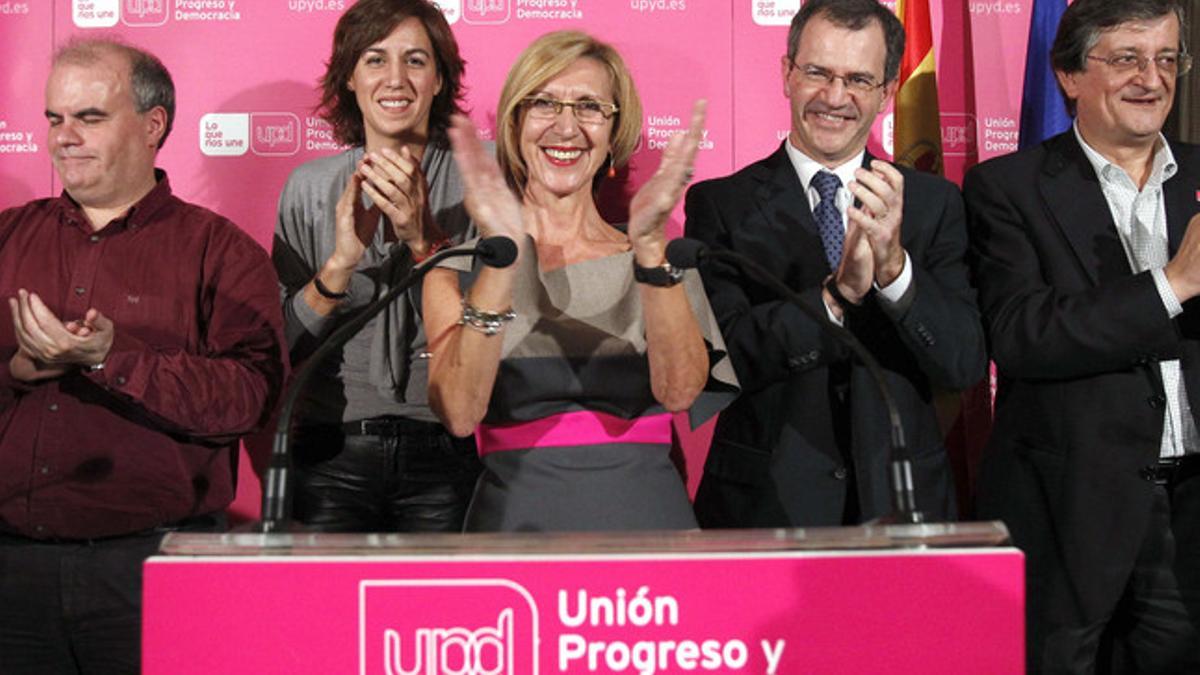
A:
<point x="95" y="13"/>
<point x="225" y="134"/>
<point x="775" y="12"/>
<point x="451" y="9"/>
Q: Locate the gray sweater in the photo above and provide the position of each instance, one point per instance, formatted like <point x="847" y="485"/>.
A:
<point x="381" y="371"/>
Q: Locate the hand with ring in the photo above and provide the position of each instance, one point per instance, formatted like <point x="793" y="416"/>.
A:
<point x="396" y="186"/>
<point x="880" y="193"/>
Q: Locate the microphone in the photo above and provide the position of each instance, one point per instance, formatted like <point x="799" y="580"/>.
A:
<point x="686" y="253"/>
<point x="496" y="251"/>
<point x="690" y="253"/>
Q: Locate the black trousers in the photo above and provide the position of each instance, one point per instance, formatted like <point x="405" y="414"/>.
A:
<point x="1155" y="627"/>
<point x="76" y="606"/>
<point x="383" y="475"/>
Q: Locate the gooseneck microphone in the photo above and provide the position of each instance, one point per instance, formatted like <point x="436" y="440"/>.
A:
<point x="690" y="253"/>
<point x="277" y="498"/>
<point x="492" y="251"/>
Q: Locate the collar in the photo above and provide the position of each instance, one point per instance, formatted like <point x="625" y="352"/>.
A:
<point x="1163" y="166"/>
<point x="806" y="167"/>
<point x="138" y="215"/>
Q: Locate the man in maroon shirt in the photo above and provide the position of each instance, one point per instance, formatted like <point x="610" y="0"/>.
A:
<point x="145" y="338"/>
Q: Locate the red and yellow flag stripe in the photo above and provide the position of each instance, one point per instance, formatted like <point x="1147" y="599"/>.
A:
<point x="918" y="131"/>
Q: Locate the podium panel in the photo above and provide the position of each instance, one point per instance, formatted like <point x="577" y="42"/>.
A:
<point x="847" y="600"/>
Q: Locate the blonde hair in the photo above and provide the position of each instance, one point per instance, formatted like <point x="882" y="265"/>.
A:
<point x="548" y="56"/>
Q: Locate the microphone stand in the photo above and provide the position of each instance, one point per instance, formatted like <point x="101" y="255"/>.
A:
<point x="900" y="472"/>
<point x="277" y="498"/>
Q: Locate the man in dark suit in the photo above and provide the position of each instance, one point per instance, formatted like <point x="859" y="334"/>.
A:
<point x="877" y="247"/>
<point x="1087" y="265"/>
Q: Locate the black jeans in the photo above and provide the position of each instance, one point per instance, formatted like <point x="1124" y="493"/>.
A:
<point x="76" y="606"/>
<point x="398" y="476"/>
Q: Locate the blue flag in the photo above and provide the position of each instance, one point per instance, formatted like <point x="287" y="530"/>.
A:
<point x="1043" y="113"/>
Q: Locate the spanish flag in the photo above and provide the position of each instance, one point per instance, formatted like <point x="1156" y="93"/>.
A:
<point x="918" y="129"/>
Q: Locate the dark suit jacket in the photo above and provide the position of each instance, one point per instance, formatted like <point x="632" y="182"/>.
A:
<point x="777" y="457"/>
<point x="1076" y="337"/>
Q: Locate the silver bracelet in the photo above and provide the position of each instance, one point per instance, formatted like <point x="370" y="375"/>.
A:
<point x="488" y="323"/>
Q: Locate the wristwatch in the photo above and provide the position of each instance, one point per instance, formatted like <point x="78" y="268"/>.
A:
<point x="665" y="275"/>
<point x="841" y="300"/>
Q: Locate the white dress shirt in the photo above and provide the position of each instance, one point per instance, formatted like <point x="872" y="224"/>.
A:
<point x="806" y="168"/>
<point x="1141" y="219"/>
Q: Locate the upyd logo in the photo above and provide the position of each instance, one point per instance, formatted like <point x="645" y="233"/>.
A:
<point x="464" y="627"/>
<point x="266" y="134"/>
<point x="145" y="12"/>
<point x="275" y="133"/>
<point x="486" y="11"/>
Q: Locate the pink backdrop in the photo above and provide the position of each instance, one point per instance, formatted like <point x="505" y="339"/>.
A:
<point x="245" y="73"/>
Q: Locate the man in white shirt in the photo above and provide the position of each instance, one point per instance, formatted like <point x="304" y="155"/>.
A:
<point x="1087" y="267"/>
<point x="881" y="249"/>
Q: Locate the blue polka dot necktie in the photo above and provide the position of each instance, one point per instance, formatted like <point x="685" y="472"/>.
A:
<point x="829" y="220"/>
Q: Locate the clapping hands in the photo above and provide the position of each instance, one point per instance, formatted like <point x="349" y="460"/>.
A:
<point x="653" y="203"/>
<point x="492" y="205"/>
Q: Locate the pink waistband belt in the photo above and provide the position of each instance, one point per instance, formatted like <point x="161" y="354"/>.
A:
<point x="573" y="428"/>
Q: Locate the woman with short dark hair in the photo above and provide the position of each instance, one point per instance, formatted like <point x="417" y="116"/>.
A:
<point x="370" y="455"/>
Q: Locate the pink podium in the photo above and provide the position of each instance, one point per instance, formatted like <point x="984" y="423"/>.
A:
<point x="939" y="598"/>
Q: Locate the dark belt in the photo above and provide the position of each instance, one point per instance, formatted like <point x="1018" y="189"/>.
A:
<point x="209" y="522"/>
<point x="1169" y="470"/>
<point x="391" y="426"/>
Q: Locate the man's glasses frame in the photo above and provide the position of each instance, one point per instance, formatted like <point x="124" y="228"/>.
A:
<point x="859" y="83"/>
<point x="1176" y="64"/>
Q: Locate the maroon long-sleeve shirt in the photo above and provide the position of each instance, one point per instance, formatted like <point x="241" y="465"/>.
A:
<point x="196" y="362"/>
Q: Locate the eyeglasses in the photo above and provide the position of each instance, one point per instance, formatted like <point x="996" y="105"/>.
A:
<point x="859" y="83"/>
<point x="586" y="111"/>
<point x="1175" y="64"/>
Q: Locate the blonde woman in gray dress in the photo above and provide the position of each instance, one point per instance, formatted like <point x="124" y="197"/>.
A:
<point x="568" y="365"/>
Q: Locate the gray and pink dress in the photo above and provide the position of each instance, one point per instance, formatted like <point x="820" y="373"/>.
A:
<point x="573" y="438"/>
